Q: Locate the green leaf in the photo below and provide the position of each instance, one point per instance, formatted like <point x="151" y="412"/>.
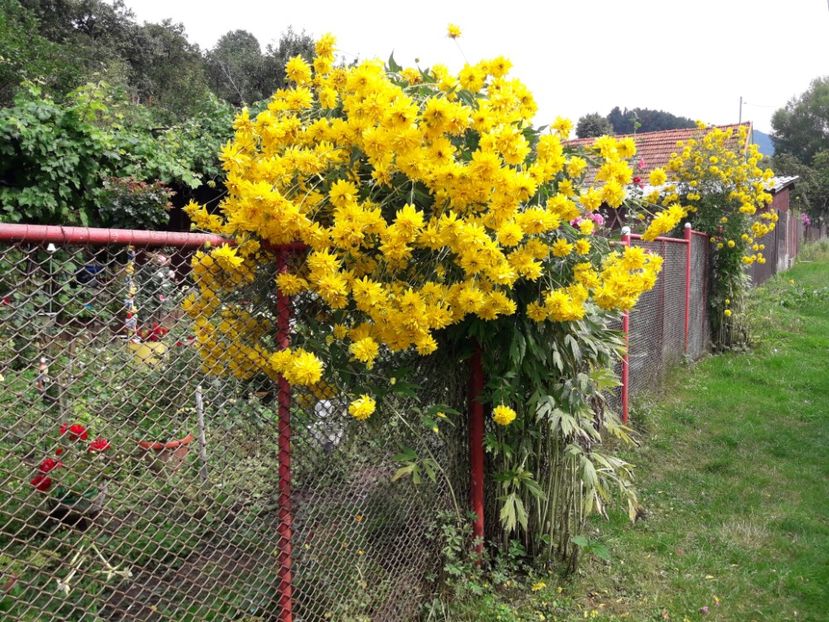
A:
<point x="579" y="541"/>
<point x="601" y="551"/>
<point x="393" y="66"/>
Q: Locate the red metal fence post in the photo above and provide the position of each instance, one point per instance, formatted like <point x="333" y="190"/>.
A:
<point x="476" y="445"/>
<point x="283" y="338"/>
<point x="689" y="244"/>
<point x="625" y="357"/>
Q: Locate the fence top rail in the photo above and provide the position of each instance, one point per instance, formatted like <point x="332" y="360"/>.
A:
<point x="59" y="234"/>
<point x="638" y="236"/>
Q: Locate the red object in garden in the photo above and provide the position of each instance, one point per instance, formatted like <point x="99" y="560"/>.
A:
<point x="76" y="431"/>
<point x="625" y="358"/>
<point x="688" y="232"/>
<point x="59" y="451"/>
<point x="42" y="482"/>
<point x="84" y="235"/>
<point x="285" y="527"/>
<point x="155" y="333"/>
<point x="476" y="446"/>
<point x="100" y="444"/>
<point x="158" y="445"/>
<point x="48" y="464"/>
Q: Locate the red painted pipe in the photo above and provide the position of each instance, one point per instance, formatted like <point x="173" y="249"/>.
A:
<point x="285" y="557"/>
<point x="476" y="445"/>
<point x="625" y="358"/>
<point x="87" y="235"/>
<point x="688" y="232"/>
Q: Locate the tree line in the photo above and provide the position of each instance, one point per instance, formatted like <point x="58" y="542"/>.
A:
<point x="105" y="121"/>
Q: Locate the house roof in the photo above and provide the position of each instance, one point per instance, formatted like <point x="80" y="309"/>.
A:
<point x="654" y="149"/>
<point x="778" y="183"/>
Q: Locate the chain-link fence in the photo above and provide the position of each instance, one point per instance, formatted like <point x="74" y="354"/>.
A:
<point x="137" y="485"/>
<point x="669" y="322"/>
<point x="138" y="482"/>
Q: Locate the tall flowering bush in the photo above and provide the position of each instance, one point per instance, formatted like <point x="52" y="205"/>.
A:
<point x="716" y="183"/>
<point x="433" y="214"/>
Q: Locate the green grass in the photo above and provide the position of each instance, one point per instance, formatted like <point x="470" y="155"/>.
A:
<point x="733" y="472"/>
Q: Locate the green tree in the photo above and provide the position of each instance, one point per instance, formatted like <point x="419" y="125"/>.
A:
<point x="166" y="70"/>
<point x="235" y="68"/>
<point x="801" y="128"/>
<point x="645" y="120"/>
<point x="801" y="141"/>
<point x="290" y="44"/>
<point x="593" y="124"/>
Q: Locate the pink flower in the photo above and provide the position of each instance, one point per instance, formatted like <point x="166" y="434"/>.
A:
<point x="42" y="483"/>
<point x="637" y="181"/>
<point x="100" y="444"/>
<point x="597" y="218"/>
<point x="48" y="464"/>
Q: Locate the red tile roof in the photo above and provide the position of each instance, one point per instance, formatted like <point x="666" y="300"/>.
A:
<point x="655" y="148"/>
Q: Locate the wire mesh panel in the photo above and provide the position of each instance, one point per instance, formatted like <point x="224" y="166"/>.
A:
<point x="673" y="309"/>
<point x="762" y="272"/>
<point x="699" y="330"/>
<point x="646" y="331"/>
<point x="138" y="482"/>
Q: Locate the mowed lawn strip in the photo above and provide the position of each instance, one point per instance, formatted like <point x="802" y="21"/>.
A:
<point x="733" y="472"/>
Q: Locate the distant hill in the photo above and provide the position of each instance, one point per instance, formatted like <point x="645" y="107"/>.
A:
<point x="764" y="142"/>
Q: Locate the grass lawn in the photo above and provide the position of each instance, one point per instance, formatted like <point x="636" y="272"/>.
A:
<point x="733" y="472"/>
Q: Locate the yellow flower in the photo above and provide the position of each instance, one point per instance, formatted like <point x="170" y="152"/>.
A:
<point x="562" y="248"/>
<point x="503" y="415"/>
<point x="365" y="350"/>
<point x="727" y="313"/>
<point x="304" y="368"/>
<point x="731" y="244"/>
<point x="291" y="284"/>
<point x="562" y="126"/>
<point x="658" y="177"/>
<point x="538" y="585"/>
<point x="453" y="31"/>
<point x="298" y="70"/>
<point x="362" y="408"/>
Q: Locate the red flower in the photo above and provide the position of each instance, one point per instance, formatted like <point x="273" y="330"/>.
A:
<point x="7" y="300"/>
<point x="76" y="431"/>
<point x="59" y="451"/>
<point x="48" y="464"/>
<point x="637" y="181"/>
<point x="100" y="444"/>
<point x="42" y="483"/>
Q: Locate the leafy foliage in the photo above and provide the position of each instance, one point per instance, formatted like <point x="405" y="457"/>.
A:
<point x="801" y="139"/>
<point x="593" y="124"/>
<point x="58" y="160"/>
<point x="645" y="120"/>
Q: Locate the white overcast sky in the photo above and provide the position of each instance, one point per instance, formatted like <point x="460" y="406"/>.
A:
<point x="693" y="58"/>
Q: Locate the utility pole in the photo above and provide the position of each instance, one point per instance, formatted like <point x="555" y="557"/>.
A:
<point x="741" y="110"/>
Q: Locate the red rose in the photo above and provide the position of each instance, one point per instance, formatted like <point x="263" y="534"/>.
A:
<point x="59" y="451"/>
<point x="99" y="444"/>
<point x="76" y="431"/>
<point x="42" y="483"/>
<point x="48" y="464"/>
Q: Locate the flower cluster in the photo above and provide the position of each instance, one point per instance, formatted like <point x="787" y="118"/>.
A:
<point x="424" y="198"/>
<point x="75" y="448"/>
<point x="724" y="191"/>
<point x="716" y="182"/>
